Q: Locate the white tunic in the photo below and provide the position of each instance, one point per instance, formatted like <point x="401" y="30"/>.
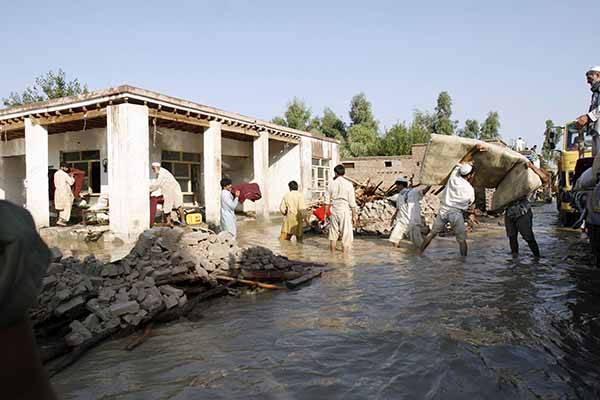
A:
<point x="168" y="185"/>
<point x="63" y="195"/>
<point x="342" y="198"/>
<point x="458" y="192"/>
<point x="228" y="205"/>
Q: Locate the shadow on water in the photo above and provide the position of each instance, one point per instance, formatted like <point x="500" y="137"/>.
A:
<point x="380" y="324"/>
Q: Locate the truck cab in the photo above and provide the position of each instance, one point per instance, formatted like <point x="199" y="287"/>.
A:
<point x="575" y="145"/>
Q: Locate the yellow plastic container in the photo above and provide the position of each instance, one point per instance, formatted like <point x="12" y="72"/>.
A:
<point x="193" y="218"/>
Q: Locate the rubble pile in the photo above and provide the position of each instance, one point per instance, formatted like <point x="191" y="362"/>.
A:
<point x="375" y="216"/>
<point x="82" y="300"/>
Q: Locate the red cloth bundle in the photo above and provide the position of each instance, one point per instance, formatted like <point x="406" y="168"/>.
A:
<point x="248" y="191"/>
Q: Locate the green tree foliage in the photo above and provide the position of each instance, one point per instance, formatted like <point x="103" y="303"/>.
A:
<point x="442" y="124"/>
<point x="298" y="116"/>
<point x="361" y="112"/>
<point x="421" y="127"/>
<point x="490" y="127"/>
<point x="363" y="141"/>
<point x="548" y="139"/>
<point x="48" y="86"/>
<point x="331" y="125"/>
<point x="471" y="129"/>
<point x="396" y="141"/>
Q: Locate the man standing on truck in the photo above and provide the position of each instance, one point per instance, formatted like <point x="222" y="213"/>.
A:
<point x="519" y="219"/>
<point x="591" y="120"/>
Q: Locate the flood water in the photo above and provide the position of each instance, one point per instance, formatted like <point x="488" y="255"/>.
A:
<point x="379" y="324"/>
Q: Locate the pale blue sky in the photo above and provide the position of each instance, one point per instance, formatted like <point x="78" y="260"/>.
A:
<point x="524" y="59"/>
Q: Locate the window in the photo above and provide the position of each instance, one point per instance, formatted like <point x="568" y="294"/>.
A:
<point x="87" y="161"/>
<point x="388" y="164"/>
<point x="186" y="169"/>
<point x="348" y="165"/>
<point x="320" y="176"/>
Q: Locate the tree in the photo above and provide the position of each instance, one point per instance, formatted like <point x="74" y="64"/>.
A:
<point x="361" y="112"/>
<point x="362" y="141"/>
<point x="49" y="86"/>
<point x="490" y="127"/>
<point x="363" y="135"/>
<point x="442" y="124"/>
<point x="332" y="126"/>
<point x="397" y="141"/>
<point x="471" y="129"/>
<point x="549" y="141"/>
<point x="421" y="127"/>
<point x="298" y="116"/>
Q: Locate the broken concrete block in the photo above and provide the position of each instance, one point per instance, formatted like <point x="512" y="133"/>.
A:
<point x="113" y="323"/>
<point x="106" y="294"/>
<point x="63" y="294"/>
<point x="141" y="295"/>
<point x="129" y="307"/>
<point x="48" y="282"/>
<point x="161" y="273"/>
<point x="170" y="291"/>
<point x="55" y="254"/>
<point x="201" y="272"/>
<point x="132" y="319"/>
<point x="109" y="270"/>
<point x="152" y="302"/>
<point x="182" y="300"/>
<point x="170" y="301"/>
<point x="179" y="270"/>
<point x="149" y="281"/>
<point x="144" y="242"/>
<point x="74" y="339"/>
<point x="91" y="322"/>
<point x="55" y="268"/>
<point x="93" y="306"/>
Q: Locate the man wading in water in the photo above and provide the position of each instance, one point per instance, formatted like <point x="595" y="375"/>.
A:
<point x="456" y="198"/>
<point x="519" y="219"/>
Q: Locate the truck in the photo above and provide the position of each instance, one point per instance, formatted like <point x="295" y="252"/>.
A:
<point x="575" y="145"/>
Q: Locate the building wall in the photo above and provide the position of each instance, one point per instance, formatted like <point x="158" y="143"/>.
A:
<point x="15" y="147"/>
<point x="12" y="177"/>
<point x="386" y="169"/>
<point x="92" y="139"/>
<point x="284" y="166"/>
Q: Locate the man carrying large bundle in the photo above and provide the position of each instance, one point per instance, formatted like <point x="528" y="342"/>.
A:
<point x="342" y="200"/>
<point x="519" y="219"/>
<point x="456" y="198"/>
<point x="171" y="191"/>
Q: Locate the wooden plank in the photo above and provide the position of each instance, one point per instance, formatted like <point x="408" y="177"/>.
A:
<point x="169" y="116"/>
<point x="284" y="138"/>
<point x="309" y="276"/>
<point x="240" y="130"/>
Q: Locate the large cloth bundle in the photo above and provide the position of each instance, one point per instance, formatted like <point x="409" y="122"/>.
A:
<point x="499" y="167"/>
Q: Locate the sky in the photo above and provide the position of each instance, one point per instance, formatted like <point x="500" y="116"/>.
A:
<point x="524" y="59"/>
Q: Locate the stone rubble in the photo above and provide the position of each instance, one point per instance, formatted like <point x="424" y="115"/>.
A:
<point x="375" y="216"/>
<point x="91" y="297"/>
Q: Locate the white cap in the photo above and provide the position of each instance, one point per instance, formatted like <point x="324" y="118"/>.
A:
<point x="465" y="169"/>
<point x="156" y="164"/>
<point x="402" y="179"/>
<point x="595" y="68"/>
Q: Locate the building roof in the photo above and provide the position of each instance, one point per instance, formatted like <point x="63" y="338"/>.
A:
<point x="89" y="110"/>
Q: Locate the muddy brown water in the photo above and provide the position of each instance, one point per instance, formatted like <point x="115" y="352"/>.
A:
<point x="380" y="324"/>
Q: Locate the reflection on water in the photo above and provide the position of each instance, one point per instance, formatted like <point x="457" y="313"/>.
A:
<point x="380" y="323"/>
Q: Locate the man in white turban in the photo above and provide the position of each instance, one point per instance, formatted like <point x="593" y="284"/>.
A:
<point x="456" y="198"/>
<point x="407" y="221"/>
<point x="171" y="191"/>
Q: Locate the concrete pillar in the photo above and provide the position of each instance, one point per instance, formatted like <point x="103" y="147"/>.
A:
<point x="212" y="173"/>
<point x="36" y="172"/>
<point x="260" y="156"/>
<point x="306" y="166"/>
<point x="335" y="156"/>
<point x="128" y="179"/>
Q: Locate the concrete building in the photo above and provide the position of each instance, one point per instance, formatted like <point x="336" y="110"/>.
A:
<point x="386" y="169"/>
<point x="115" y="134"/>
